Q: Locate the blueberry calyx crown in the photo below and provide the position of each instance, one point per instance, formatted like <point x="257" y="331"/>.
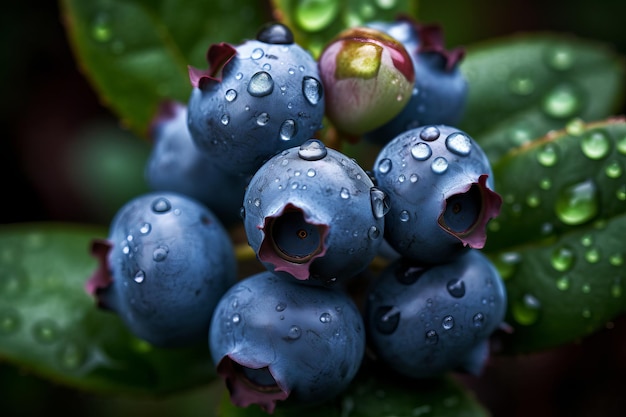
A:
<point x="466" y="213"/>
<point x="218" y="56"/>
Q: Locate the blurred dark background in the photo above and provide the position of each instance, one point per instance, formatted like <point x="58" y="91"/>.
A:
<point x="60" y="142"/>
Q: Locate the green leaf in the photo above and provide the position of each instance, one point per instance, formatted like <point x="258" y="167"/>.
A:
<point x="136" y="53"/>
<point x="380" y="394"/>
<point x="523" y="86"/>
<point x="559" y="240"/>
<point x="49" y="325"/>
<point x="316" y="22"/>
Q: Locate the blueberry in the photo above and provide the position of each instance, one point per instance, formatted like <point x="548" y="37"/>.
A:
<point x="368" y="77"/>
<point x="440" y="188"/>
<point x="163" y="268"/>
<point x="423" y="321"/>
<point x="441" y="89"/>
<point x="313" y="213"/>
<point x="176" y="164"/>
<point x="274" y="339"/>
<point x="256" y="99"/>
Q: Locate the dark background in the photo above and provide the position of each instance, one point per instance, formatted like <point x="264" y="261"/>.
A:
<point x="50" y="114"/>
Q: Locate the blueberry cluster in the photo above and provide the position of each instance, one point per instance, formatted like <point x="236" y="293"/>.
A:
<point x="243" y="152"/>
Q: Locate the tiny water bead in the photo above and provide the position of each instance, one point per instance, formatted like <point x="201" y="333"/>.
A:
<point x="430" y="133"/>
<point x="326" y="318"/>
<point x="380" y="202"/>
<point x="562" y="258"/>
<point x="563" y="283"/>
<point x="10" y="321"/>
<point x="459" y="143"/>
<point x="384" y="166"/>
<point x="560" y="58"/>
<point x="478" y="320"/>
<point x="261" y="84"/>
<point x="439" y="165"/>
<point x="592" y="255"/>
<point x="257" y="53"/>
<point x="312" y="90"/>
<point x="160" y="253"/>
<point x="262" y="119"/>
<point x="596" y="144"/>
<point x="294" y="333"/>
<point x="145" y="228"/>
<point x="526" y="311"/>
<point x="288" y="129"/>
<point x="613" y="170"/>
<point x="161" y="205"/>
<point x="577" y="203"/>
<point x="575" y="127"/>
<point x="521" y="84"/>
<point x="563" y="101"/>
<point x="448" y="322"/>
<point x="548" y="155"/>
<point x="46" y="331"/>
<point x="431" y="337"/>
<point x="225" y="119"/>
<point x="230" y="95"/>
<point x="139" y="277"/>
<point x="312" y="150"/>
<point x="404" y="216"/>
<point x="71" y="356"/>
<point x="420" y="151"/>
<point x="456" y="288"/>
<point x="101" y="30"/>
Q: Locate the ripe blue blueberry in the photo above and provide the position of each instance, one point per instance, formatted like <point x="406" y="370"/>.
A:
<point x="313" y="213"/>
<point x="440" y="188"/>
<point x="176" y="164"/>
<point x="256" y="99"/>
<point x="423" y="321"/>
<point x="163" y="268"/>
<point x="274" y="339"/>
<point x="440" y="92"/>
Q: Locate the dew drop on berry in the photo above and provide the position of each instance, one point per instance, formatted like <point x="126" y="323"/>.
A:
<point x="344" y="193"/>
<point x="261" y="84"/>
<point x="387" y="319"/>
<point x="230" y="95"/>
<point x="459" y="143"/>
<point x="139" y="277"/>
<point x="145" y="228"/>
<point x="404" y="216"/>
<point x="380" y="202"/>
<point x="430" y="133"/>
<point x="326" y="318"/>
<point x="373" y="233"/>
<point x="161" y="205"/>
<point x="262" y="119"/>
<point x="225" y="119"/>
<point x="312" y="150"/>
<point x="456" y="288"/>
<point x="257" y="53"/>
<point x="431" y="337"/>
<point x="294" y="333"/>
<point x="384" y="166"/>
<point x="312" y="90"/>
<point x="281" y="307"/>
<point x="478" y="319"/>
<point x="421" y="151"/>
<point x="439" y="165"/>
<point x="160" y="253"/>
<point x="448" y="322"/>
<point x="287" y="129"/>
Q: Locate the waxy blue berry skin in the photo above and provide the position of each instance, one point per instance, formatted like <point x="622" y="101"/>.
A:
<point x="164" y="266"/>
<point x="423" y="321"/>
<point x="256" y="99"/>
<point x="441" y="89"/>
<point x="274" y="339"/>
<point x="440" y="188"/>
<point x="313" y="213"/>
<point x="176" y="164"/>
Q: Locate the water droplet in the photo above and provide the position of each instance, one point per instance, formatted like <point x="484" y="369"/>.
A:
<point x="9" y="321"/>
<point x="586" y="288"/>
<point x="563" y="283"/>
<point x="71" y="356"/>
<point x="139" y="277"/>
<point x="613" y="170"/>
<point x="478" y="320"/>
<point x="507" y="263"/>
<point x="430" y="133"/>
<point x="548" y="155"/>
<point x="230" y="95"/>
<point x="373" y="233"/>
<point x="235" y="318"/>
<point x="312" y="90"/>
<point x="620" y="193"/>
<point x="404" y="216"/>
<point x="288" y="129"/>
<point x="161" y="205"/>
<point x="439" y="165"/>
<point x="145" y="228"/>
<point x="315" y="15"/>
<point x="563" y="101"/>
<point x="101" y="30"/>
<point x="563" y="258"/>
<point x="575" y="127"/>
<point x="521" y="84"/>
<point x="387" y="319"/>
<point x="380" y="202"/>
<point x="326" y="318"/>
<point x="262" y="119"/>
<point x="46" y="331"/>
<point x="294" y="333"/>
<point x="533" y="200"/>
<point x="577" y="203"/>
<point x="281" y="307"/>
<point x="448" y="322"/>
<point x="596" y="144"/>
<point x="459" y="143"/>
<point x="414" y="178"/>
<point x="616" y="259"/>
<point x="592" y="255"/>
<point x="312" y="150"/>
<point x="431" y="337"/>
<point x="526" y="310"/>
<point x="560" y="58"/>
<point x="238" y="76"/>
<point x="257" y="53"/>
<point x="421" y="151"/>
<point x="456" y="288"/>
<point x="256" y="202"/>
<point x="261" y="84"/>
<point x="344" y="193"/>
<point x="160" y="253"/>
<point x="545" y="184"/>
<point x="384" y="166"/>
<point x="616" y="290"/>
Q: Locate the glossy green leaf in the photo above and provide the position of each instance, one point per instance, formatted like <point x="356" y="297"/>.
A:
<point x="525" y="85"/>
<point x="559" y="241"/>
<point x="316" y="22"/>
<point x="380" y="394"/>
<point x="50" y="326"/>
<point x="136" y="53"/>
